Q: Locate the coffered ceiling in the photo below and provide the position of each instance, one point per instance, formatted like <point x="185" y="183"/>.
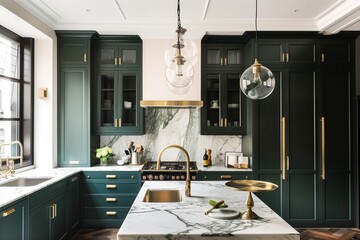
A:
<point x="157" y="18"/>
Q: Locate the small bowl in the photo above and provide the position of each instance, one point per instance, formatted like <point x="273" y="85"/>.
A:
<point x="120" y="162"/>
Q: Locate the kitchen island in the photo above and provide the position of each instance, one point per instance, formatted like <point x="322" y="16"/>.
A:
<point x="186" y="219"/>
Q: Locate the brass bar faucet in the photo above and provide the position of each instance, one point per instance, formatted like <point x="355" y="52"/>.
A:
<point x="10" y="168"/>
<point x="188" y="183"/>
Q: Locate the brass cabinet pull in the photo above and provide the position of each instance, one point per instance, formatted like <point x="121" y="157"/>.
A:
<point x="8" y="212"/>
<point x="283" y="57"/>
<point x="287" y="57"/>
<point x="221" y="122"/>
<point x="132" y="177"/>
<point x="55" y="210"/>
<point x="110" y="176"/>
<point x="115" y="62"/>
<point x="287" y="163"/>
<point x="119" y="124"/>
<point x="52" y="211"/>
<point x="111" y="186"/>
<point x="205" y="177"/>
<point x="221" y="61"/>
<point x="84" y="57"/>
<point x="111" y="213"/>
<point x="225" y="61"/>
<point x="115" y="122"/>
<point x="74" y="179"/>
<point x="120" y="61"/>
<point x="225" y="120"/>
<point x="225" y="177"/>
<point x="283" y="147"/>
<point x="111" y="199"/>
<point x="322" y="57"/>
<point x="322" y="148"/>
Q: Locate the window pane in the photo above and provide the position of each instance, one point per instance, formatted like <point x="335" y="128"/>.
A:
<point x="9" y="57"/>
<point x="9" y="131"/>
<point x="9" y="99"/>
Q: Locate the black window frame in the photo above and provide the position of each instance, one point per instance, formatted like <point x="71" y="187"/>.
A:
<point x="28" y="145"/>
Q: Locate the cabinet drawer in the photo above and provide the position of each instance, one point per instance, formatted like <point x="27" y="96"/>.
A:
<point x="225" y="176"/>
<point x="112" y="175"/>
<point x="105" y="213"/>
<point x="111" y="188"/>
<point x="109" y="200"/>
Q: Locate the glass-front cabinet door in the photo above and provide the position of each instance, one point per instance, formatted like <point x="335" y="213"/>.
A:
<point x="119" y="55"/>
<point x="225" y="57"/>
<point x="224" y="104"/>
<point x="119" y="96"/>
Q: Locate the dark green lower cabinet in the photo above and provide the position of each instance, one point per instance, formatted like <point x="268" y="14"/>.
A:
<point x="73" y="208"/>
<point x="13" y="221"/>
<point x="47" y="215"/>
<point x="225" y="175"/>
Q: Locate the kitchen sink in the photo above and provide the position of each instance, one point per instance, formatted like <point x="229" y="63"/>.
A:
<point x="162" y="195"/>
<point x="24" y="182"/>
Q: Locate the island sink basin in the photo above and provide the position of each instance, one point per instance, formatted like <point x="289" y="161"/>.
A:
<point x="162" y="195"/>
<point x="24" y="182"/>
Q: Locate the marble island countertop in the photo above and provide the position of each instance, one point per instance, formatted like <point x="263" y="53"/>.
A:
<point x="186" y="219"/>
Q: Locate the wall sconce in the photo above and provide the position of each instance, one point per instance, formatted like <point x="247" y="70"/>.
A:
<point x="42" y="93"/>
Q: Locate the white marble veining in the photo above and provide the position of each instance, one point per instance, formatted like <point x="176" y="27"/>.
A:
<point x="186" y="219"/>
<point x="164" y="126"/>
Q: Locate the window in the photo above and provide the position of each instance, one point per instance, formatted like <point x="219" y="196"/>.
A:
<point x="16" y="91"/>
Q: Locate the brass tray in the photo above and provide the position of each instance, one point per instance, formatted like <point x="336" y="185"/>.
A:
<point x="252" y="185"/>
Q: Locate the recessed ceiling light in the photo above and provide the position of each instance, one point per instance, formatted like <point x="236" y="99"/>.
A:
<point x="88" y="10"/>
<point x="297" y="10"/>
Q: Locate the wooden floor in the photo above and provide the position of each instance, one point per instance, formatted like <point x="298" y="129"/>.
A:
<point x="305" y="234"/>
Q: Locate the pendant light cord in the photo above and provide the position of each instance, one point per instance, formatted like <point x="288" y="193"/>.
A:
<point x="179" y="27"/>
<point x="256" y="37"/>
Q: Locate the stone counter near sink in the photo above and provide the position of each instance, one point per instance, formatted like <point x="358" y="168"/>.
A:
<point x="186" y="219"/>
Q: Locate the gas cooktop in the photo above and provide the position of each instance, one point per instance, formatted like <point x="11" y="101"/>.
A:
<point x="169" y="166"/>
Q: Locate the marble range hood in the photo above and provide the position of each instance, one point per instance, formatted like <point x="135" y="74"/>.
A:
<point x="155" y="92"/>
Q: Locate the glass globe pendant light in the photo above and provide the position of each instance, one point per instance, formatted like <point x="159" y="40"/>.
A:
<point x="179" y="73"/>
<point x="257" y="82"/>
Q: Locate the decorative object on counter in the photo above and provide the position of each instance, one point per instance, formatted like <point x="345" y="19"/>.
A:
<point x="134" y="153"/>
<point x="213" y="202"/>
<point x="205" y="159"/>
<point x="217" y="205"/>
<point x="104" y="154"/>
<point x="236" y="160"/>
<point x="251" y="186"/>
<point x="209" y="157"/>
<point x="179" y="71"/>
<point x="257" y="82"/>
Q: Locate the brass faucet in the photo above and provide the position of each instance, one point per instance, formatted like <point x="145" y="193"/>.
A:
<point x="187" y="184"/>
<point x="10" y="168"/>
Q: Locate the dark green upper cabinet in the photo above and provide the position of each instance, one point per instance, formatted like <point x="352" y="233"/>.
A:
<point x="119" y="55"/>
<point x="224" y="103"/>
<point x="334" y="51"/>
<point x="220" y="56"/>
<point x="286" y="51"/>
<point x="75" y="71"/>
<point x="119" y="86"/>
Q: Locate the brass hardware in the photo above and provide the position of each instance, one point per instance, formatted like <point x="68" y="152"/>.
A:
<point x="115" y="122"/>
<point x="225" y="61"/>
<point x="322" y="57"/>
<point x="10" y="169"/>
<point x="111" y="199"/>
<point x="187" y="182"/>
<point x="287" y="163"/>
<point x="132" y="177"/>
<point x="221" y="122"/>
<point x="221" y="61"/>
<point x="111" y="186"/>
<point x="287" y="57"/>
<point x="74" y="179"/>
<point x="283" y="148"/>
<point x="119" y="120"/>
<point x="110" y="176"/>
<point x="322" y="148"/>
<point x="52" y="211"/>
<point x="225" y="177"/>
<point x="8" y="212"/>
<point x="283" y="57"/>
<point x="115" y="62"/>
<point x="111" y="213"/>
<point x="84" y="57"/>
<point x="225" y="122"/>
<point x="205" y="177"/>
<point x="251" y="186"/>
<point x="120" y="61"/>
<point x="55" y="210"/>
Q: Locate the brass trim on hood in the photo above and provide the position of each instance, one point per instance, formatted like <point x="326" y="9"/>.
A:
<point x="170" y="103"/>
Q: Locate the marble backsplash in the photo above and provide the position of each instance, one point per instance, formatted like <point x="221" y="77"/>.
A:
<point x="164" y="126"/>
